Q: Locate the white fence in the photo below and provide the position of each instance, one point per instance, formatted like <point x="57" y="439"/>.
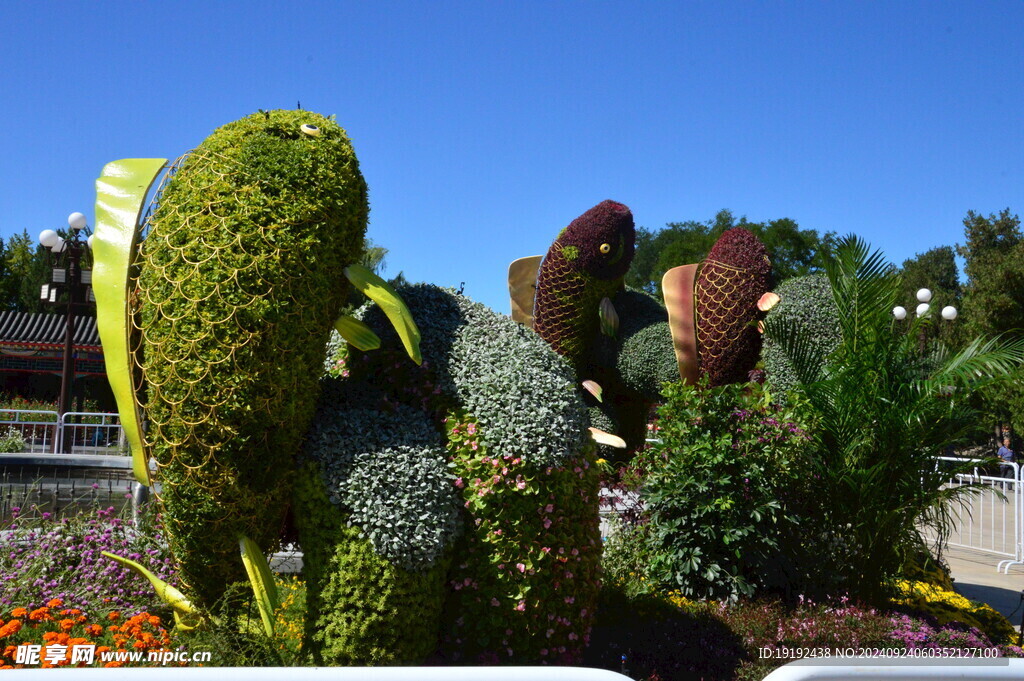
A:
<point x="47" y="432"/>
<point x="989" y="518"/>
<point x="37" y="428"/>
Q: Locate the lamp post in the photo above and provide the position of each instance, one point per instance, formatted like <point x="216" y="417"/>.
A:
<point x="924" y="296"/>
<point x="70" y="287"/>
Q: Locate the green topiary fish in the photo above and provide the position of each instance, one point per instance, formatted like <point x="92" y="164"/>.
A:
<point x="238" y="284"/>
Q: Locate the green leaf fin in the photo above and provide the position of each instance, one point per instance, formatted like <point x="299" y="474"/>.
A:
<point x="357" y="334"/>
<point x="380" y="292"/>
<point x="262" y="580"/>
<point x="167" y="593"/>
<point x="120" y="193"/>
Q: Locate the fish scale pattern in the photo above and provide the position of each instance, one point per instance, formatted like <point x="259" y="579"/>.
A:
<point x="559" y="303"/>
<point x="239" y="284"/>
<point x="730" y="282"/>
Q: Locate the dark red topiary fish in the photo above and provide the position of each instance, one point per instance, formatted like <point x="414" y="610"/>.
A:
<point x="730" y="299"/>
<point x="584" y="265"/>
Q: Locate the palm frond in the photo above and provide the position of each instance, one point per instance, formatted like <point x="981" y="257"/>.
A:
<point x="807" y="358"/>
<point x="980" y="362"/>
<point x="864" y="287"/>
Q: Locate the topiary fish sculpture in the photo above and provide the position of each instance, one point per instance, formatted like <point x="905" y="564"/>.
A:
<point x="215" y="323"/>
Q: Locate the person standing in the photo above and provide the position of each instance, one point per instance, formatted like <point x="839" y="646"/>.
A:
<point x="1007" y="456"/>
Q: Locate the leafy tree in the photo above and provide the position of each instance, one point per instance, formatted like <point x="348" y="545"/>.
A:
<point x="25" y="268"/>
<point x="881" y="412"/>
<point x="794" y="251"/>
<point x="994" y="255"/>
<point x="993" y="299"/>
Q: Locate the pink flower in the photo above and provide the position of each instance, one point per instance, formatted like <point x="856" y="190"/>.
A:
<point x="474" y="445"/>
<point x="471" y="428"/>
<point x="546" y="549"/>
<point x="520" y="567"/>
<point x="494" y="602"/>
<point x="521" y="607"/>
<point x="575" y="552"/>
<point x="543" y="651"/>
<point x="549" y="508"/>
<point x="547" y="523"/>
<point x="459" y="483"/>
<point x="520" y="485"/>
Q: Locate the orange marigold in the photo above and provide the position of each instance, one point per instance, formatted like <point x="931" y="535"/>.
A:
<point x="40" y="615"/>
<point x="19" y="613"/>
<point x="114" y="616"/>
<point x="93" y="629"/>
<point x="12" y="627"/>
<point x="67" y="625"/>
<point x="54" y="603"/>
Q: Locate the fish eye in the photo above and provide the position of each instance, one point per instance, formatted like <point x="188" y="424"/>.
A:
<point x="606" y="248"/>
<point x="310" y="130"/>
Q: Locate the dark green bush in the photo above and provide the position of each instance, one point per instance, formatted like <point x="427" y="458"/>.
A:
<point x="726" y="490"/>
<point x="387" y="471"/>
<point x="523" y="578"/>
<point x="522" y="393"/>
<point x="361" y="608"/>
<point x="808" y="302"/>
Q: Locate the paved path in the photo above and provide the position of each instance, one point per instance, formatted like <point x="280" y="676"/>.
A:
<point x="976" y="578"/>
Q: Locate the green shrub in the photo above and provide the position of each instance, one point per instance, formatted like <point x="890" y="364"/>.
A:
<point x="523" y="578"/>
<point x="523" y="586"/>
<point x="387" y="472"/>
<point x="522" y="393"/>
<point x="808" y="302"/>
<point x="362" y="609"/>
<point x="240" y="284"/>
<point x="12" y="441"/>
<point x="725" y="490"/>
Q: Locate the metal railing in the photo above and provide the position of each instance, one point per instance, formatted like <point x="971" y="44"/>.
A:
<point x="47" y="432"/>
<point x="92" y="433"/>
<point x="991" y="518"/>
<point x="39" y="429"/>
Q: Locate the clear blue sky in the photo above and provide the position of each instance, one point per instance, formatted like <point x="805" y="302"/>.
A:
<point x="483" y="127"/>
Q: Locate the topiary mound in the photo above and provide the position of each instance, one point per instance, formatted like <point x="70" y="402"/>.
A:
<point x="807" y="302"/>
<point x="240" y="283"/>
<point x="495" y="413"/>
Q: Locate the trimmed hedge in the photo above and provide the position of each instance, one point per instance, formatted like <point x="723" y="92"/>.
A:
<point x="807" y="300"/>
<point x="240" y="284"/>
<point x="361" y="609"/>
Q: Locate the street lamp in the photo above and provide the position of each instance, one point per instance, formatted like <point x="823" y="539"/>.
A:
<point x="69" y="286"/>
<point x="924" y="296"/>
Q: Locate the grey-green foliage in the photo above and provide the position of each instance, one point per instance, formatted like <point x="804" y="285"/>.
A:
<point x="388" y="472"/>
<point x="523" y="394"/>
<point x="808" y="301"/>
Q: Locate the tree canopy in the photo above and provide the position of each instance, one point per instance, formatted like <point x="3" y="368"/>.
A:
<point x="793" y="251"/>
